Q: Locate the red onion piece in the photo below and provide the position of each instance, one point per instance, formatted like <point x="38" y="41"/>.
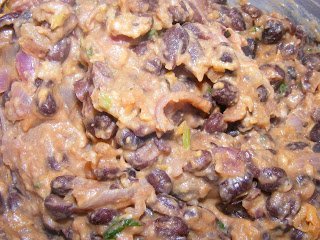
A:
<point x="25" y="65"/>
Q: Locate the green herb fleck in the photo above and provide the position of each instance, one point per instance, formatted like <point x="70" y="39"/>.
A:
<point x="37" y="185"/>
<point x="209" y="90"/>
<point x="255" y="29"/>
<point x="227" y="34"/>
<point x="104" y="101"/>
<point x="117" y="226"/>
<point x="263" y="138"/>
<point x="221" y="225"/>
<point x="152" y="33"/>
<point x="186" y="138"/>
<point x="90" y="52"/>
<point x="283" y="88"/>
<point x="309" y="49"/>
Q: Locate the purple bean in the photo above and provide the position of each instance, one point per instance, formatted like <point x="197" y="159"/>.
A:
<point x="251" y="10"/>
<point x="107" y="173"/>
<point x="199" y="163"/>
<point x="225" y="93"/>
<point x="167" y="226"/>
<point x="62" y="185"/>
<point x="273" y="32"/>
<point x="60" y="51"/>
<point x="250" y="50"/>
<point x="237" y="20"/>
<point x="262" y="93"/>
<point x="160" y="181"/>
<point x="312" y="61"/>
<point x="128" y="140"/>
<point x="270" y="179"/>
<point x="102" y="216"/>
<point x="8" y="19"/>
<point x="315" y="133"/>
<point x="58" y="208"/>
<point x="215" y="123"/>
<point x="102" y="127"/>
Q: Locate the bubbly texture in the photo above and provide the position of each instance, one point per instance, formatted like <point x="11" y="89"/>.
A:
<point x="157" y="119"/>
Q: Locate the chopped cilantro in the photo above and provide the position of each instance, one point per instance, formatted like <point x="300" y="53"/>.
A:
<point x="227" y="34"/>
<point x="283" y="88"/>
<point x="117" y="226"/>
<point x="255" y="29"/>
<point x="104" y="101"/>
<point x="186" y="138"/>
<point x="209" y="90"/>
<point x="37" y="185"/>
<point x="90" y="52"/>
<point x="221" y="225"/>
<point x="152" y="33"/>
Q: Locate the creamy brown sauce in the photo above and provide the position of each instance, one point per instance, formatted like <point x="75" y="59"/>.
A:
<point x="156" y="119"/>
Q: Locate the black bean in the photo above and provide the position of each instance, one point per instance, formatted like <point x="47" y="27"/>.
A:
<point x="14" y="199"/>
<point x="287" y="50"/>
<point x="107" y="173"/>
<point x="60" y="51"/>
<point x="176" y="40"/>
<point x="266" y="236"/>
<point x="234" y="187"/>
<point x="316" y="148"/>
<point x="296" y="146"/>
<point x="153" y="66"/>
<point x="47" y="104"/>
<point x="312" y="61"/>
<point x="179" y="14"/>
<point x="273" y="32"/>
<point x="296" y="234"/>
<point x="262" y="93"/>
<point x="8" y="19"/>
<point x="103" y="126"/>
<point x="167" y="226"/>
<point x="160" y="181"/>
<point x="141" y="49"/>
<point x="215" y="123"/>
<point x="38" y="82"/>
<point x="274" y="73"/>
<point x="315" y="133"/>
<point x="250" y="50"/>
<point x="143" y="157"/>
<point x="234" y="209"/>
<point x="195" y="29"/>
<point x="67" y="233"/>
<point x="237" y="20"/>
<point x="53" y="163"/>
<point x="270" y="179"/>
<point x="226" y="58"/>
<point x="95" y="236"/>
<point x="102" y="216"/>
<point x="2" y="204"/>
<point x="283" y="205"/>
<point x="300" y="32"/>
<point x="162" y="145"/>
<point x="62" y="185"/>
<point x="58" y="208"/>
<point x="316" y="114"/>
<point x="128" y="140"/>
<point x="166" y="205"/>
<point x="199" y="163"/>
<point x="291" y="73"/>
<point x="251" y="10"/>
<point x="225" y="93"/>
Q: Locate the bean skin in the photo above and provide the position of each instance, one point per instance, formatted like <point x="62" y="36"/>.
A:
<point x="271" y="178"/>
<point x="171" y="227"/>
<point x="250" y="50"/>
<point x="225" y="93"/>
<point x="60" y="51"/>
<point x="237" y="20"/>
<point x="273" y="32"/>
<point x="62" y="185"/>
<point x="315" y="133"/>
<point x="316" y="148"/>
<point x="160" y="181"/>
<point x="128" y="140"/>
<point x="199" y="163"/>
<point x="262" y="93"/>
<point x="102" y="216"/>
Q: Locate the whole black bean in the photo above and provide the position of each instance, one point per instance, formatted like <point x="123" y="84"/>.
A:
<point x="160" y="181"/>
<point x="262" y="93"/>
<point x="315" y="133"/>
<point x="46" y="103"/>
<point x="283" y="205"/>
<point x="215" y="123"/>
<point x="60" y="51"/>
<point x="225" y="93"/>
<point x="316" y="148"/>
<point x="251" y="10"/>
<point x="199" y="163"/>
<point x="250" y="50"/>
<point x="128" y="140"/>
<point x="167" y="226"/>
<point x="273" y="32"/>
<point x="153" y="66"/>
<point x="270" y="179"/>
<point x="226" y="58"/>
<point x="287" y="50"/>
<point x="102" y="216"/>
<point x="62" y="185"/>
<point x="296" y="146"/>
<point x="237" y="20"/>
<point x="53" y="163"/>
<point x="232" y="188"/>
<point x="312" y="61"/>
<point x="58" y="208"/>
<point x="166" y="205"/>
<point x="143" y="157"/>
<point x="291" y="73"/>
<point x="162" y="145"/>
<point x="176" y="40"/>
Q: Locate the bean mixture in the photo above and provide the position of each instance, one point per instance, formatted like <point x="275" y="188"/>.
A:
<point x="157" y="119"/>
